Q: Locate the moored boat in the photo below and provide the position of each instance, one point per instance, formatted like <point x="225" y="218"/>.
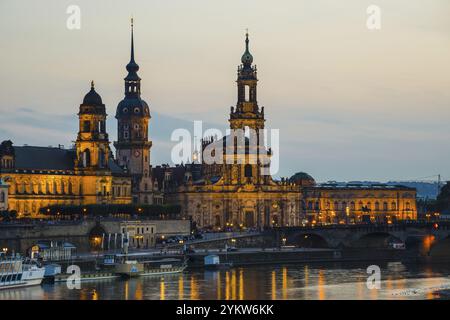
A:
<point x="16" y="272"/>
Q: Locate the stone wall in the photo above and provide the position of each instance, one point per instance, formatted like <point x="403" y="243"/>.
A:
<point x="20" y="237"/>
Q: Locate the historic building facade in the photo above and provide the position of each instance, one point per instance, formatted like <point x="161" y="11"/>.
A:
<point x="234" y="190"/>
<point x="3" y="195"/>
<point x="356" y="203"/>
<point x="86" y="174"/>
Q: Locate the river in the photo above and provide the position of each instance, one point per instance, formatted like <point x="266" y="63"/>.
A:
<point x="302" y="281"/>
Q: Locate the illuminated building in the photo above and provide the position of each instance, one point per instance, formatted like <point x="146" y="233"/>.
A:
<point x="235" y="195"/>
<point x="356" y="203"/>
<point x="3" y="195"/>
<point x="86" y="174"/>
<point x="232" y="193"/>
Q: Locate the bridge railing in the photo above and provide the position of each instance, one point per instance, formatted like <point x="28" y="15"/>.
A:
<point x="375" y="226"/>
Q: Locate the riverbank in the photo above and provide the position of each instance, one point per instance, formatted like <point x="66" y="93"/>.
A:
<point x="260" y="256"/>
<point x="244" y="257"/>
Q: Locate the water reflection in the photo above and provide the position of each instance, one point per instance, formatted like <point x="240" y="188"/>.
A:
<point x="258" y="282"/>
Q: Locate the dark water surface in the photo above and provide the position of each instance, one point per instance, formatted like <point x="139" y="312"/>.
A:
<point x="305" y="281"/>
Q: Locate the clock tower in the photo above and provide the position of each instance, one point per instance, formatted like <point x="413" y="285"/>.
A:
<point x="133" y="144"/>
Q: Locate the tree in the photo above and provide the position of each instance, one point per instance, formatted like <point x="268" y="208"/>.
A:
<point x="443" y="198"/>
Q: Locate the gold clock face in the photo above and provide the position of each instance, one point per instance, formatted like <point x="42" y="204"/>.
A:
<point x="137" y="153"/>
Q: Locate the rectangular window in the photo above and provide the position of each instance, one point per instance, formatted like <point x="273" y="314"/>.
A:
<point x="86" y="126"/>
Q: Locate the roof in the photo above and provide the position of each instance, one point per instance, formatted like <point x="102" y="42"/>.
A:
<point x="301" y="175"/>
<point x="349" y="186"/>
<point x="44" y="158"/>
<point x="52" y="159"/>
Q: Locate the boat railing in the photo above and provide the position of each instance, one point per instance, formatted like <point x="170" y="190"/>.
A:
<point x="10" y="270"/>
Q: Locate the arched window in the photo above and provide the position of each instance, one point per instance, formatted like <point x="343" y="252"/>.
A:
<point x="2" y="196"/>
<point x="248" y="171"/>
<point x="377" y="206"/>
<point x="408" y="206"/>
<point x="86" y="158"/>
<point x="336" y="205"/>
<point x="102" y="158"/>
<point x="393" y="206"/>
<point x="385" y="206"/>
<point x="86" y="126"/>
<point x="352" y="205"/>
<point x="247" y="93"/>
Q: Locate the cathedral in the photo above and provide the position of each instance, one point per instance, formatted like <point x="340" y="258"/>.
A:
<point x="234" y="191"/>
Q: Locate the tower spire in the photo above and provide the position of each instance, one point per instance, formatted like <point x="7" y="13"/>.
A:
<point x="132" y="39"/>
<point x="246" y="40"/>
<point x="132" y="80"/>
<point x="247" y="58"/>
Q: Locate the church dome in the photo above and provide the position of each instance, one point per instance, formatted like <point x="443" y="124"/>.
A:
<point x="92" y="98"/>
<point x="302" y="179"/>
<point x="132" y="106"/>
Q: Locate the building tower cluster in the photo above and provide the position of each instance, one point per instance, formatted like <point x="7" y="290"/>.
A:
<point x="236" y="191"/>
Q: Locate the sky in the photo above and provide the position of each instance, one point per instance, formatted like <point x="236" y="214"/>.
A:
<point x="351" y="103"/>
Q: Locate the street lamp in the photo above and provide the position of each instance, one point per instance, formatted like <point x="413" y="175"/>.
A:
<point x="284" y="241"/>
<point x="347" y="212"/>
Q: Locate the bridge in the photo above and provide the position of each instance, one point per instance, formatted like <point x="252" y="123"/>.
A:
<point x="412" y="234"/>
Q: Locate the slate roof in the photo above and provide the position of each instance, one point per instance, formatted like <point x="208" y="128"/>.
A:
<point x="44" y="158"/>
<point x="52" y="158"/>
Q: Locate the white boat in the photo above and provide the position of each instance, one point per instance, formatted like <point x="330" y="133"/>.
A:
<point x="15" y="272"/>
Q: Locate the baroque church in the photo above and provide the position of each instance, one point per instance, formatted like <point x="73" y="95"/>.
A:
<point x="234" y="192"/>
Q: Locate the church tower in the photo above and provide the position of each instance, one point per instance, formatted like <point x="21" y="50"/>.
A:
<point x="92" y="143"/>
<point x="133" y="145"/>
<point x="247" y="112"/>
<point x="248" y="115"/>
